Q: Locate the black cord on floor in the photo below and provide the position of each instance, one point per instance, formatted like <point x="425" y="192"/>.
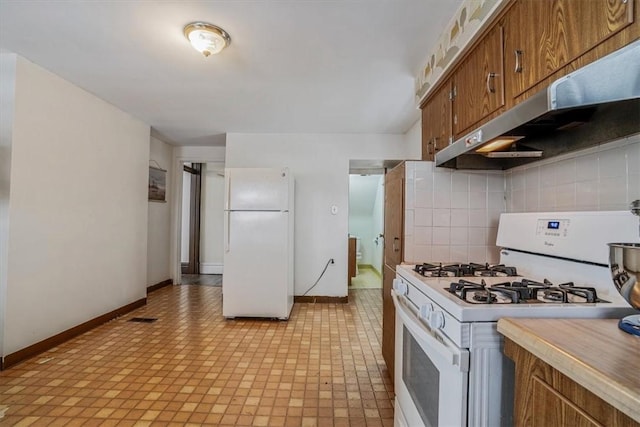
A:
<point x="321" y="274"/>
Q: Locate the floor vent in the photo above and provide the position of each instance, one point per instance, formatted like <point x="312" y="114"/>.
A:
<point x="143" y="319"/>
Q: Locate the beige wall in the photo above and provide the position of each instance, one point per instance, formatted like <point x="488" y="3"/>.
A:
<point x="77" y="245"/>
<point x="159" y="226"/>
<point x="7" y="102"/>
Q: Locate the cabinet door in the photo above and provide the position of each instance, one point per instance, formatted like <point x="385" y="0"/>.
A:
<point x="436" y="122"/>
<point x="393" y="215"/>
<point x="544" y="36"/>
<point x="479" y="83"/>
<point x="428" y="119"/>
<point x="388" y="319"/>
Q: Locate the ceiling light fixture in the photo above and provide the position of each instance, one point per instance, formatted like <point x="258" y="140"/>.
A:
<point x="207" y="39"/>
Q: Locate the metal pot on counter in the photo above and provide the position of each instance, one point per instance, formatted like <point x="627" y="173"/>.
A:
<point x="624" y="261"/>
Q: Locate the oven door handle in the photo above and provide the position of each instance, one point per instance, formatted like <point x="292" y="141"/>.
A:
<point x="448" y="351"/>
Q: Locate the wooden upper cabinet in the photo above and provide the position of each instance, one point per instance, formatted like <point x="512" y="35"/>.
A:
<point x="479" y="82"/>
<point x="542" y="37"/>
<point x="436" y="122"/>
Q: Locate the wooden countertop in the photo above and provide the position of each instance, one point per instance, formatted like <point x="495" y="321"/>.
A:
<point x="592" y="352"/>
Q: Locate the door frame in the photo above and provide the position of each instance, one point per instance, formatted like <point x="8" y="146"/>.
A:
<point x="181" y="155"/>
<point x="195" y="202"/>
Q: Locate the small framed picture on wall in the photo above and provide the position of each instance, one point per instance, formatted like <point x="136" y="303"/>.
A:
<point x="157" y="184"/>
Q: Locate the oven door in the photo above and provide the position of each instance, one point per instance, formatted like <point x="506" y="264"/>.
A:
<point x="431" y="373"/>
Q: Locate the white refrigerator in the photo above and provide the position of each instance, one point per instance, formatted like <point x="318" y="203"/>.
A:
<point x="257" y="279"/>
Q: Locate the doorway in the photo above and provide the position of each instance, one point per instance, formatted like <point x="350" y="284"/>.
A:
<point x="366" y="228"/>
<point x="191" y="201"/>
<point x="201" y="240"/>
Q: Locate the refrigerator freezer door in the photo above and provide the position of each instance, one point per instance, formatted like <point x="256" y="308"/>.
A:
<point x="256" y="265"/>
<point x="257" y="189"/>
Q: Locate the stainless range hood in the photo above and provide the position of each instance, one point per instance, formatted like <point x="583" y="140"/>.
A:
<point x="595" y="104"/>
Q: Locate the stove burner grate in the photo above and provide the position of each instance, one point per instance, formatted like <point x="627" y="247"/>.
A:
<point x="465" y="270"/>
<point x="524" y="291"/>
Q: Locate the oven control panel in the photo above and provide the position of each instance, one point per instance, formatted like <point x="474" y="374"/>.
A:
<point x="552" y="227"/>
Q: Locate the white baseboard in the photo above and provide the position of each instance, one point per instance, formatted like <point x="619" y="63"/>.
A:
<point x="211" y="268"/>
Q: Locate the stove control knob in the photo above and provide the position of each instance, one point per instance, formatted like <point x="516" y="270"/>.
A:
<point x="425" y="312"/>
<point x="436" y="320"/>
<point x="400" y="287"/>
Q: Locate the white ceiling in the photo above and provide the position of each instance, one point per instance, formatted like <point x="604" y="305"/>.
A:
<point x="294" y="66"/>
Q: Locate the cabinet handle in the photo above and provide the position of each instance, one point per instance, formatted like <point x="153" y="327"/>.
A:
<point x="435" y="144"/>
<point x="490" y="78"/>
<point x="518" y="68"/>
<point x="395" y="248"/>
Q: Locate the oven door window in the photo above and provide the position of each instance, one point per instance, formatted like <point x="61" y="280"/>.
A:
<point x="421" y="378"/>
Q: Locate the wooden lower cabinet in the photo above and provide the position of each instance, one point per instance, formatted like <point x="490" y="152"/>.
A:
<point x="545" y="397"/>
<point x="393" y="255"/>
<point x="388" y="318"/>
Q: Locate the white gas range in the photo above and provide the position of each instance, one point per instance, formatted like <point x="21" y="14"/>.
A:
<point x="449" y="369"/>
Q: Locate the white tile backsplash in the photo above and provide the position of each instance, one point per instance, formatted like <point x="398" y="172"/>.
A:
<point x="547" y="175"/>
<point x="478" y="183"/>
<point x="633" y="159"/>
<point x="477" y="236"/>
<point x="477" y="217"/>
<point x="612" y="163"/>
<point x="460" y="253"/>
<point x="459" y="181"/>
<point x="566" y="196"/>
<point x="459" y="235"/>
<point x="423" y="217"/>
<point x="587" y="168"/>
<point x="459" y="217"/>
<point x="442" y="217"/>
<point x="566" y="172"/>
<point x="441" y="227"/>
<point x="453" y="215"/>
<point x="613" y="192"/>
<point x="587" y="195"/>
<point x="460" y="200"/>
<point x="496" y="183"/>
<point x="600" y="178"/>
<point x="441" y="235"/>
<point x="442" y="180"/>
<point x="532" y="179"/>
<point x="440" y="252"/>
<point x="478" y="200"/>
<point x="409" y="221"/>
<point x="422" y="235"/>
<point x="423" y="198"/>
<point x="633" y="187"/>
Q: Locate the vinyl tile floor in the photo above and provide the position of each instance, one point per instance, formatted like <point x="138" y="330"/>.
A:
<point x="367" y="278"/>
<point x="323" y="367"/>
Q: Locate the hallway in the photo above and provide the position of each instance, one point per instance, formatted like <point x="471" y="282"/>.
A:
<point x="321" y="368"/>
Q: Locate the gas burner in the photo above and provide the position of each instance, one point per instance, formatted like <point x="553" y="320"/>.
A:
<point x="488" y="270"/>
<point x="439" y="270"/>
<point x="484" y="296"/>
<point x="464" y="270"/>
<point x="524" y="291"/>
<point x="477" y="293"/>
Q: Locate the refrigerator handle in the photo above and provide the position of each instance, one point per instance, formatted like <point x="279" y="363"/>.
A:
<point x="227" y="237"/>
<point x="227" y="189"/>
